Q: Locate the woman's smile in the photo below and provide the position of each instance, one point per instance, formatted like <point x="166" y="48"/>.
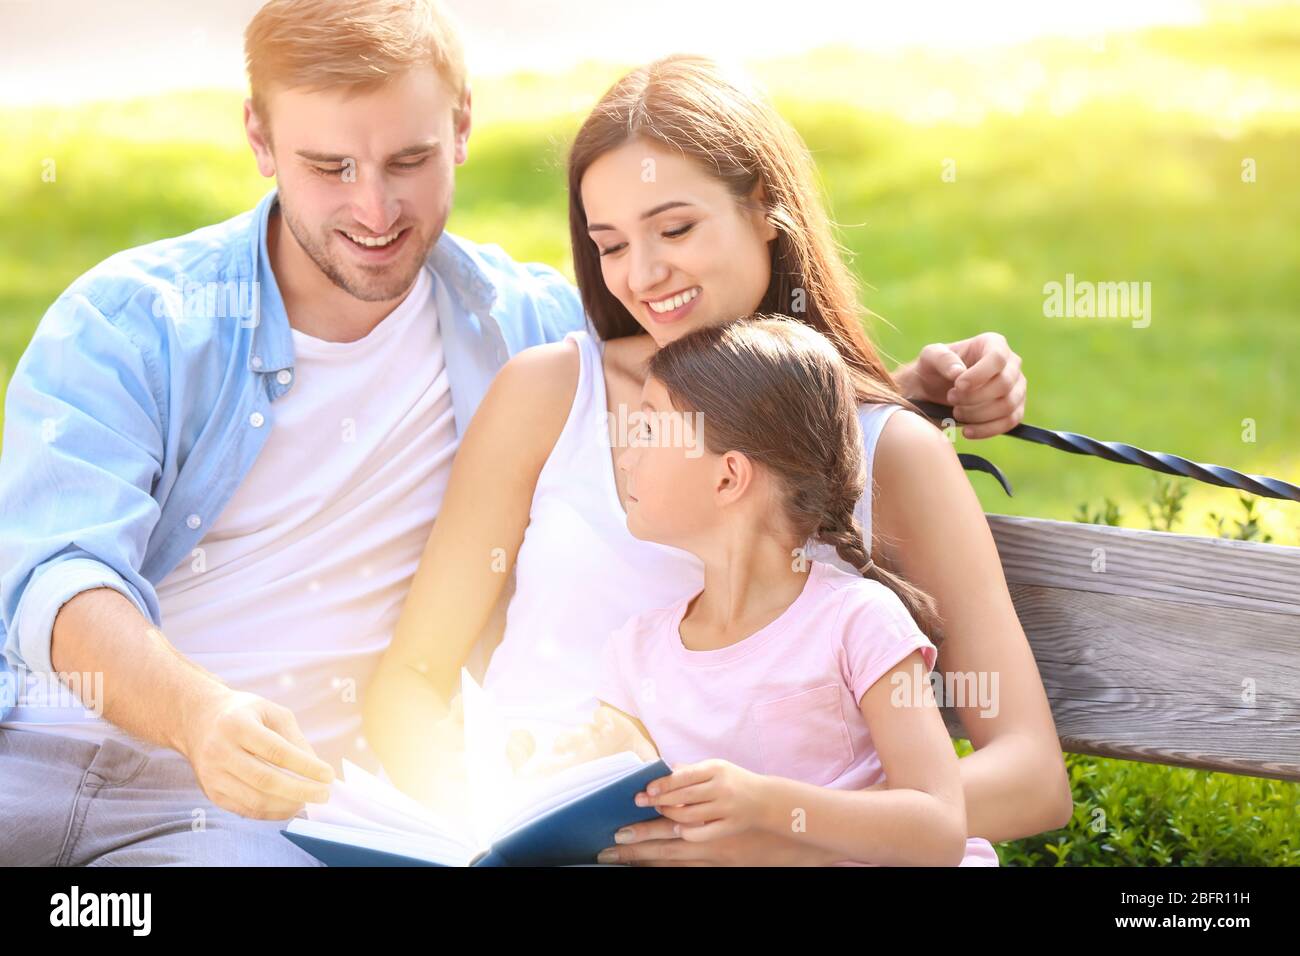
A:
<point x="676" y="305"/>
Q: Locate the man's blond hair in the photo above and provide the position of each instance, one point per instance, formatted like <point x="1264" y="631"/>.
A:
<point x="358" y="44"/>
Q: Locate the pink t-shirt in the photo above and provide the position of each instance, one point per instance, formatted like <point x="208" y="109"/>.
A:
<point x="783" y="701"/>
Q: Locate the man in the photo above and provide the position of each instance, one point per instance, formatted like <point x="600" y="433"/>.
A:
<point x="242" y="435"/>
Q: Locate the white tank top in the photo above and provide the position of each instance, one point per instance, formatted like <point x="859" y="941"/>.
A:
<point x="580" y="574"/>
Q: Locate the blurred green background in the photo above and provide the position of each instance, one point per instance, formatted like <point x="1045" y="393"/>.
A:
<point x="1114" y="160"/>
<point x="1118" y="158"/>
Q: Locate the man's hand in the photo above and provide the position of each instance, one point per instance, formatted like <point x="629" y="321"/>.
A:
<point x="248" y="753"/>
<point x="979" y="377"/>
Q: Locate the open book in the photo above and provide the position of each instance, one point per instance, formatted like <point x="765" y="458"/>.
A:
<point x="561" y="820"/>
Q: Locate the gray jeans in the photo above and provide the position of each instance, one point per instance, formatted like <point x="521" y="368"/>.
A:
<point x="71" y="802"/>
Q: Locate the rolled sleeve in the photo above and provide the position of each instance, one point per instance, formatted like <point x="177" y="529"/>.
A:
<point x="55" y="586"/>
<point x="83" y="448"/>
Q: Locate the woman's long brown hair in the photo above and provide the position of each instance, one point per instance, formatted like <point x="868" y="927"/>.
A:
<point x="690" y="104"/>
<point x="781" y="394"/>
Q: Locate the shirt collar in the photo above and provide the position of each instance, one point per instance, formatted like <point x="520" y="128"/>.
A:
<point x="272" y="347"/>
<point x="453" y="262"/>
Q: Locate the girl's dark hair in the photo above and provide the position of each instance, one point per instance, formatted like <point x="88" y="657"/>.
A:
<point x="777" y="391"/>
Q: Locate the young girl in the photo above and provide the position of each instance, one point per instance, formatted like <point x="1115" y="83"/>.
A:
<point x="785" y="688"/>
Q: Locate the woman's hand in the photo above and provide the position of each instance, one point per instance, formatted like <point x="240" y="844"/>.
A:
<point x="609" y="732"/>
<point x="653" y="843"/>
<point x="979" y="377"/>
<point x="441" y="784"/>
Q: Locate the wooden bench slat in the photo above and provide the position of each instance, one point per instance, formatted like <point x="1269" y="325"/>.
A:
<point x="1150" y="659"/>
<point x="1211" y="571"/>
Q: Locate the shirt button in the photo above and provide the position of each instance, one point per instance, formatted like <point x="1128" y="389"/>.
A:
<point x="257" y="361"/>
<point x="194" y="521"/>
<point x="256" y="419"/>
<point x="284" y="376"/>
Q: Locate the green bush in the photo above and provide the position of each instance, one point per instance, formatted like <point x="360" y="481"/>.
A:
<point x="1128" y="813"/>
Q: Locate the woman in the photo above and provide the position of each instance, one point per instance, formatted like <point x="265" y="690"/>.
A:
<point x="691" y="203"/>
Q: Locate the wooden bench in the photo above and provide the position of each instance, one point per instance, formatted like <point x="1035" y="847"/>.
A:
<point x="1160" y="647"/>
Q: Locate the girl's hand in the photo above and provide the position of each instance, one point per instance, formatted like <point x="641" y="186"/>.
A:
<point x="709" y="799"/>
<point x="654" y="843"/>
<point x="568" y="749"/>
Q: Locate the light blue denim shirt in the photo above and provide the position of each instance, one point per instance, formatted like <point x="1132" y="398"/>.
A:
<point x="149" y="388"/>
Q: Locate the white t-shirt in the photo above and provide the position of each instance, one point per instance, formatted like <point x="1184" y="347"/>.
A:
<point x="295" y="591"/>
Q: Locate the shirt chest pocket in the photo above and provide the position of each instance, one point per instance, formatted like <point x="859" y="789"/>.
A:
<point x="803" y="736"/>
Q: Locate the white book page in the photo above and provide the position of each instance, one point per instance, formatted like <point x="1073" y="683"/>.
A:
<point x="488" y="773"/>
<point x="568" y="784"/>
<point x="370" y="787"/>
<point x="363" y="801"/>
<point x="336" y="815"/>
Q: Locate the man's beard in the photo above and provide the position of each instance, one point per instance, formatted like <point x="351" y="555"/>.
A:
<point x="355" y="280"/>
